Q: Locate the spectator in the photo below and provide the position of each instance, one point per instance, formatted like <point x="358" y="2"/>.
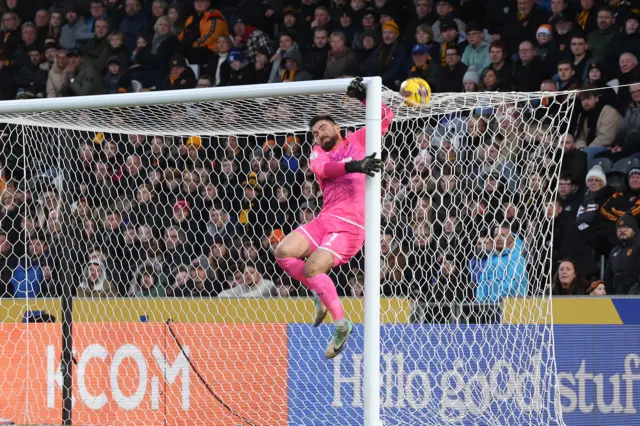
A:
<point x="597" y="126"/>
<point x="341" y="59"/>
<point x="42" y="21"/>
<point x="497" y="57"/>
<point x="389" y="60"/>
<point x="477" y="51"/>
<point x="544" y="45"/>
<point x="28" y="277"/>
<point x="567" y="281"/>
<point x="179" y="283"/>
<point x="574" y="160"/>
<point x="134" y="23"/>
<point x="346" y="27"/>
<point x="597" y="288"/>
<point x="599" y="39"/>
<point x="262" y="66"/>
<point x="505" y="274"/>
<point x="567" y="78"/>
<point x="356" y="286"/>
<point x="321" y="18"/>
<point x="75" y="32"/>
<point x="490" y="82"/>
<point x="97" y="48"/>
<point x="147" y="283"/>
<point x="153" y="57"/>
<point x="623" y="267"/>
<point x="580" y="53"/>
<point x="116" y="80"/>
<point x="82" y="78"/>
<point x="218" y="66"/>
<point x="97" y="11"/>
<point x="424" y="35"/>
<point x="94" y="283"/>
<point x="254" y="285"/>
<point x="392" y="265"/>
<point x="596" y="75"/>
<point x="528" y="69"/>
<point x="29" y="37"/>
<point x="201" y="31"/>
<point x="293" y="71"/>
<point x="629" y="73"/>
<point x="11" y="34"/>
<point x="625" y="40"/>
<point x="587" y="18"/>
<point x="453" y="73"/>
<point x="444" y="14"/>
<point x="623" y="202"/>
<point x="204" y="81"/>
<point x="286" y="46"/>
<point x="315" y="60"/>
<point x="627" y="139"/>
<point x="451" y="38"/>
<point x="248" y="39"/>
<point x="117" y="48"/>
<point x="240" y="71"/>
<point x="180" y="75"/>
<point x="470" y="81"/>
<point x="31" y="80"/>
<point x="174" y="13"/>
<point x="201" y="284"/>
<point x="158" y="9"/>
<point x="523" y="28"/>
<point x="423" y="66"/>
<point x="55" y="26"/>
<point x="420" y="17"/>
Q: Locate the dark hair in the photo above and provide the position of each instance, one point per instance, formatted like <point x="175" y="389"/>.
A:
<point x="315" y="120"/>
<point x="565" y="62"/>
<point x="289" y="34"/>
<point x="580" y="35"/>
<point x="500" y="44"/>
<point x="577" y="285"/>
<point x="589" y="90"/>
<point x="604" y="9"/>
<point x="206" y="77"/>
<point x="452" y="48"/>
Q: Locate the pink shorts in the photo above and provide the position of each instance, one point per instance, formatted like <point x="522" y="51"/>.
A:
<point x="342" y="239"/>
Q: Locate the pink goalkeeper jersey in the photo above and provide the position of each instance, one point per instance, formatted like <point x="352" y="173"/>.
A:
<point x="344" y="195"/>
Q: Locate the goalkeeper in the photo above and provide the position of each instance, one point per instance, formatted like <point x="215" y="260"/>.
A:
<point x="337" y="234"/>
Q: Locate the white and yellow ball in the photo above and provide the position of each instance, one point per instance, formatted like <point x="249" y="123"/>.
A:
<point x="416" y="92"/>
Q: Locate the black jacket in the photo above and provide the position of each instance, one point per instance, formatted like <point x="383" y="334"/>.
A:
<point x="315" y="61"/>
<point x="451" y="80"/>
<point x="527" y="78"/>
<point x="623" y="269"/>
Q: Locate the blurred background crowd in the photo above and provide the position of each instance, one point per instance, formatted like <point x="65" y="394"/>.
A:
<point x="469" y="213"/>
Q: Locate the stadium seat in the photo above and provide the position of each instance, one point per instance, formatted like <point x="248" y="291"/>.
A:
<point x="623" y="166"/>
<point x="605" y="163"/>
<point x="136" y="85"/>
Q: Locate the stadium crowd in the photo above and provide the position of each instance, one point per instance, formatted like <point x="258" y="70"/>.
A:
<point x="201" y="215"/>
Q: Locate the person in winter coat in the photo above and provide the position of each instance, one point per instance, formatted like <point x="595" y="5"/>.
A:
<point x="341" y="59"/>
<point x="623" y="202"/>
<point x="453" y="73"/>
<point x="292" y="68"/>
<point x="29" y="277"/>
<point x="477" y="51"/>
<point x="147" y="283"/>
<point x="115" y="79"/>
<point x="627" y="140"/>
<point x="623" y="269"/>
<point x="627" y="40"/>
<point x="201" y="31"/>
<point x="597" y="125"/>
<point x="528" y="71"/>
<point x="261" y="68"/>
<point x="286" y="46"/>
<point x="218" y="66"/>
<point x="31" y="80"/>
<point x="389" y="60"/>
<point x="254" y="285"/>
<point x="83" y="79"/>
<point x="180" y="75"/>
<point x="599" y="39"/>
<point x="423" y="66"/>
<point x="134" y="23"/>
<point x="589" y="221"/>
<point x="75" y="32"/>
<point x="57" y="75"/>
<point x="152" y="56"/>
<point x="315" y="60"/>
<point x="596" y="74"/>
<point x="96" y="50"/>
<point x="241" y="71"/>
<point x="248" y="39"/>
<point x="505" y="273"/>
<point x="95" y="283"/>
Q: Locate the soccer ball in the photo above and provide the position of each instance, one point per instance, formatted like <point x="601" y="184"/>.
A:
<point x="416" y="92"/>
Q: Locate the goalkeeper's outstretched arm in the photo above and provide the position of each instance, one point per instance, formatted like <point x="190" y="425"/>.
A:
<point x="358" y="90"/>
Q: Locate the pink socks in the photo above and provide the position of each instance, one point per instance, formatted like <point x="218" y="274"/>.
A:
<point x="294" y="267"/>
<point x="326" y="291"/>
<point x="321" y="284"/>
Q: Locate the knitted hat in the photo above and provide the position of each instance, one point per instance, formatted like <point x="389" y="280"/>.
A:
<point x="471" y="76"/>
<point x="375" y="35"/>
<point x="276" y="236"/>
<point x="597" y="172"/>
<point x="181" y="204"/>
<point x="544" y="29"/>
<point x="627" y="220"/>
<point x="194" y="141"/>
<point x="594" y="285"/>
<point x="393" y="26"/>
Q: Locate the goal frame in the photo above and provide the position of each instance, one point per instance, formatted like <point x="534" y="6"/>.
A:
<point x="373" y="208"/>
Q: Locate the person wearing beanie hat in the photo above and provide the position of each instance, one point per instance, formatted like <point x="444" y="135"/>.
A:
<point x="597" y="288"/>
<point x="471" y="77"/>
<point x="543" y="38"/>
<point x="623" y="267"/>
<point x="240" y="72"/>
<point x="390" y="58"/>
<point x="596" y="178"/>
<point x="180" y="76"/>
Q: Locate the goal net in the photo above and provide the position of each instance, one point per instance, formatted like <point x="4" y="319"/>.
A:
<point x="161" y="222"/>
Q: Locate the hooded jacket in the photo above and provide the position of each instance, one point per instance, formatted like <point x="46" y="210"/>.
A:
<point x="98" y="289"/>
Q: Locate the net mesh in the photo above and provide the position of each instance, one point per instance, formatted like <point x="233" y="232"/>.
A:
<point x="157" y="218"/>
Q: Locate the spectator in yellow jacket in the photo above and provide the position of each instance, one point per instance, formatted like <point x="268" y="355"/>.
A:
<point x="201" y="31"/>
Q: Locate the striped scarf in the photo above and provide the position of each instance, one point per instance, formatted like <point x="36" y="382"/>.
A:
<point x="287" y="75"/>
<point x="582" y="18"/>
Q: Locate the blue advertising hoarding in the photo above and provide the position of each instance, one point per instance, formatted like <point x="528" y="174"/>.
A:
<point x="429" y="377"/>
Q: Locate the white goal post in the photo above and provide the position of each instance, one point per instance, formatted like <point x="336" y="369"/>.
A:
<point x="435" y="349"/>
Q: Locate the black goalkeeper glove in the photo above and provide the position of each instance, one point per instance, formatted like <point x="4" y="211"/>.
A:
<point x="357" y="89"/>
<point x="368" y="165"/>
